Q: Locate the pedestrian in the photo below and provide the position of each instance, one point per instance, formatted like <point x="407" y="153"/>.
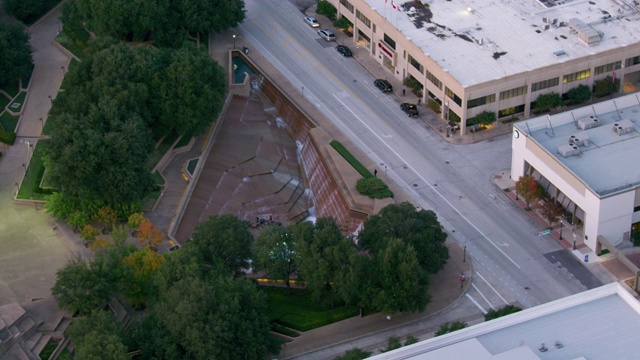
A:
<point x="461" y="280"/>
<point x="419" y="101"/>
<point x="375" y="172"/>
<point x="403" y="91"/>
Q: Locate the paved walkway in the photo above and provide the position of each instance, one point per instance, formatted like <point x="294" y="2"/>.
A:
<point x="32" y="245"/>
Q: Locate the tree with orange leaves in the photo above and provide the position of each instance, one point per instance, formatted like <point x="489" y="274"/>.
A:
<point x="149" y="235"/>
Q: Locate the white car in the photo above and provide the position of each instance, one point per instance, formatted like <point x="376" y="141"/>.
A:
<point x="311" y="21"/>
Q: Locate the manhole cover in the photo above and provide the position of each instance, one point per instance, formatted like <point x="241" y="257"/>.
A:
<point x="446" y="162"/>
<point x="415" y="185"/>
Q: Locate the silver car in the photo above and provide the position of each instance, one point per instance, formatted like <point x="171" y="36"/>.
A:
<point x="327" y="35"/>
<point x="311" y="21"/>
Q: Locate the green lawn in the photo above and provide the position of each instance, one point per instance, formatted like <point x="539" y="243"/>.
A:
<point x="19" y="100"/>
<point x="8" y="121"/>
<point x="73" y="64"/>
<point x="29" y="188"/>
<point x="4" y="101"/>
<point x="299" y="312"/>
<point x="75" y="42"/>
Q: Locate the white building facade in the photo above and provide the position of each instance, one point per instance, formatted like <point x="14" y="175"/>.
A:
<point x="588" y="160"/>
<point x="498" y="55"/>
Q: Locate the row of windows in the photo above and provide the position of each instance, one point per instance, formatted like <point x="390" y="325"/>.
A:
<point x="545" y="84"/>
<point x="434" y="80"/>
<point x="632" y="61"/>
<point x="578" y="75"/>
<point x="416" y="64"/>
<point x="481" y="101"/>
<point x="453" y="96"/>
<point x="607" y="67"/>
<point x="365" y="20"/>
<point x="508" y="94"/>
<point x="347" y="4"/>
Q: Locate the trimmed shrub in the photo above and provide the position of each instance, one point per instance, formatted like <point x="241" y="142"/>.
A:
<point x="393" y="343"/>
<point x="433" y="105"/>
<point x="410" y="340"/>
<point x="7" y="137"/>
<point x="374" y="188"/>
<point x="447" y="328"/>
<point x="354" y="354"/>
<point x="351" y="159"/>
<point x="504" y="311"/>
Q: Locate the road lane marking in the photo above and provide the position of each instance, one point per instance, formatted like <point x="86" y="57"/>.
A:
<point x="492" y="288"/>
<point x="476" y="304"/>
<point x="484" y="297"/>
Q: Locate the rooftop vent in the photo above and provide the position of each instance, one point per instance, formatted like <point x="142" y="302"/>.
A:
<point x="623" y="127"/>
<point x="585" y="32"/>
<point x="568" y="150"/>
<point x="588" y="123"/>
<point x="580" y="139"/>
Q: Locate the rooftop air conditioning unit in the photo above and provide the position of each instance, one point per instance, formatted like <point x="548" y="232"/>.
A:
<point x="588" y="122"/>
<point x="580" y="139"/>
<point x="568" y="150"/>
<point x="623" y="127"/>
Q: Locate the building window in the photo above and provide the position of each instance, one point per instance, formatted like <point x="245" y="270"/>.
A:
<point x="434" y="80"/>
<point x="452" y="96"/>
<point x="508" y="94"/>
<point x="481" y="101"/>
<point x="389" y="41"/>
<point x="608" y="67"/>
<point x="511" y="111"/>
<point x="365" y="20"/>
<point x="416" y="64"/>
<point x="584" y="74"/>
<point x="347" y="4"/>
<point x="545" y="84"/>
<point x="632" y="61"/>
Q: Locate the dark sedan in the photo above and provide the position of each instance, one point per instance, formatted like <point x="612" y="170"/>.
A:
<point x="410" y="109"/>
<point x="383" y="85"/>
<point x="343" y="50"/>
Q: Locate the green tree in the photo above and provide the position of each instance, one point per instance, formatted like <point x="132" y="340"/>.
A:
<point x="393" y="343"/>
<point x="134" y="220"/>
<point x="410" y="340"/>
<point x="216" y="318"/>
<point x="579" y="94"/>
<point x="327" y="9"/>
<point x="78" y="220"/>
<point x="275" y="254"/>
<point x="484" y="118"/>
<point x="106" y="216"/>
<point x="529" y="188"/>
<point x="142" y="266"/>
<point x="204" y="16"/>
<point x="447" y="328"/>
<point x="321" y="254"/>
<point x="97" y="336"/>
<point x="193" y="105"/>
<point x="420" y="229"/>
<point x="16" y="61"/>
<point x="503" y="311"/>
<point x="399" y="283"/>
<point x="28" y="11"/>
<point x="545" y="102"/>
<point x="354" y="354"/>
<point x="79" y="288"/>
<point x="225" y="238"/>
<point x="89" y="233"/>
<point x="605" y="87"/>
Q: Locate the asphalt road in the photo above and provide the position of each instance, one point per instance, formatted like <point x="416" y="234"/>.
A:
<point x="454" y="181"/>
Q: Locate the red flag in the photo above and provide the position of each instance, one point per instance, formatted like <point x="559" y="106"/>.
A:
<point x="393" y="5"/>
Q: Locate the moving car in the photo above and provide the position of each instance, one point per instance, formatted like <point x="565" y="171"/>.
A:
<point x="410" y="109"/>
<point x="383" y="85"/>
<point x="343" y="50"/>
<point x="311" y="21"/>
<point x="327" y="35"/>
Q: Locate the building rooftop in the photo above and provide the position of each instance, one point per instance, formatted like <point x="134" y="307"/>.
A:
<point x="484" y="40"/>
<point x="605" y="157"/>
<point x="602" y="323"/>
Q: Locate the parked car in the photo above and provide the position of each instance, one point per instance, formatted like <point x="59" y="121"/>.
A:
<point x="410" y="109"/>
<point x="327" y="35"/>
<point x="383" y="85"/>
<point x="343" y="50"/>
<point x="311" y="21"/>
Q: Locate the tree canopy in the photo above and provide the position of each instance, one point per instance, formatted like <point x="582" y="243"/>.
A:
<point x="28" y="11"/>
<point x="163" y="21"/>
<point x="420" y="229"/>
<point x="16" y="61"/>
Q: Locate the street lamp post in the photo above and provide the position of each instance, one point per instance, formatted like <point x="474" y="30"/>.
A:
<point x="561" y="225"/>
<point x="42" y="124"/>
<point x="464" y="254"/>
<point x="234" y="41"/>
<point x="30" y="149"/>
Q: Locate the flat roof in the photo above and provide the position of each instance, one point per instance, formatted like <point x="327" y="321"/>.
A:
<point x="601" y="323"/>
<point x="609" y="163"/>
<point x="484" y="40"/>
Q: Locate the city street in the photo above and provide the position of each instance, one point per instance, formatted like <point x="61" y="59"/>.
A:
<point x="453" y="180"/>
